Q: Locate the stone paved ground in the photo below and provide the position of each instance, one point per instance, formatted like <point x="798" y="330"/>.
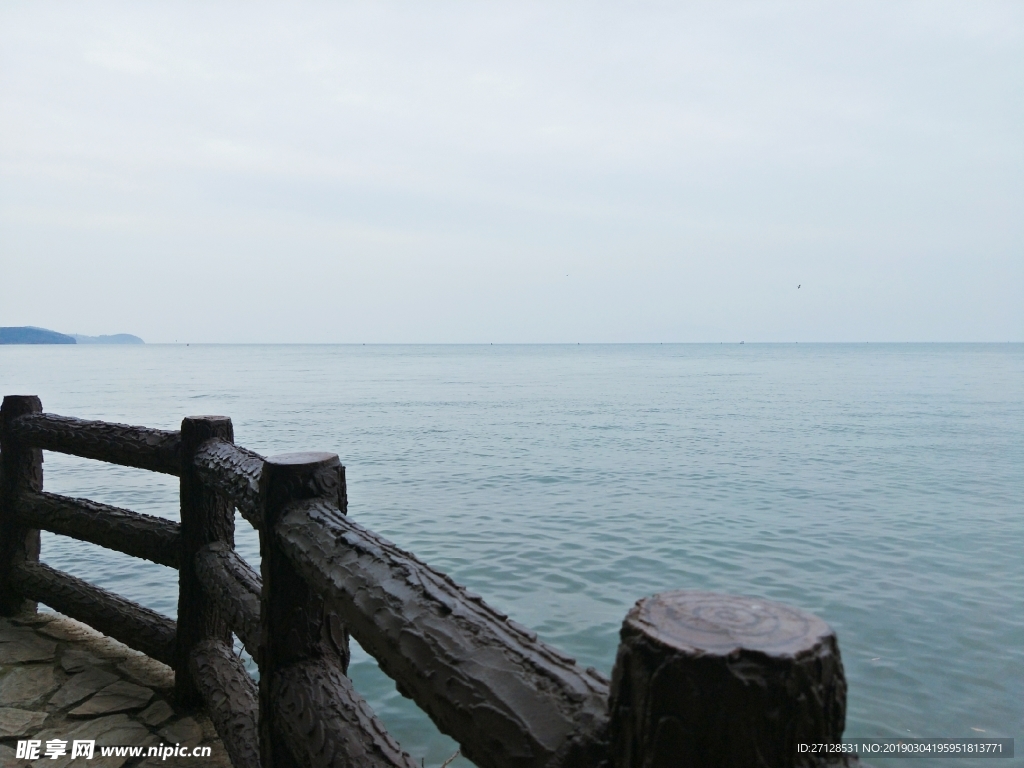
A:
<point x="60" y="679"/>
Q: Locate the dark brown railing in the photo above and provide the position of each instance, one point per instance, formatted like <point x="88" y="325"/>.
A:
<point x="700" y="679"/>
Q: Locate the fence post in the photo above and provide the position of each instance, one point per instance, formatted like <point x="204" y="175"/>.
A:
<point x="294" y="625"/>
<point x="21" y="469"/>
<point x="206" y="516"/>
<point x="715" y="680"/>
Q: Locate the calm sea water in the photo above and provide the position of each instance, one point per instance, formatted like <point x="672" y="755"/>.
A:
<point x="878" y="486"/>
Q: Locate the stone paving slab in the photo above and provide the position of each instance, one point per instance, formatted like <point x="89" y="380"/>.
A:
<point x="22" y="644"/>
<point x="26" y="684"/>
<point x="74" y="660"/>
<point x="83" y="684"/>
<point x="121" y="696"/>
<point x="184" y="731"/>
<point x="156" y="713"/>
<point x="15" y="723"/>
<point x="62" y="680"/>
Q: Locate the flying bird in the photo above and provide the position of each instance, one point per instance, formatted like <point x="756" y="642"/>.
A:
<point x="799" y="286"/>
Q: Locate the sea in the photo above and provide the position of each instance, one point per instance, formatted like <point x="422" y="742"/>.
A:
<point x="879" y="486"/>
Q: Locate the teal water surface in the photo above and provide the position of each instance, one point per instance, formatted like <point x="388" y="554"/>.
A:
<point x="878" y="486"/>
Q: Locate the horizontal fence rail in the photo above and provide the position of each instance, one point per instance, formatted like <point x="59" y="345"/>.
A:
<point x="235" y="588"/>
<point x="144" y="536"/>
<point x="233" y="471"/>
<point x="699" y="679"/>
<point x="132" y="624"/>
<point x="142" y="447"/>
<point x="507" y="698"/>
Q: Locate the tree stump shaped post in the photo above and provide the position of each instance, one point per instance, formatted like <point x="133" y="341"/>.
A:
<point x="206" y="516"/>
<point x="706" y="680"/>
<point x="21" y="469"/>
<point x="295" y="624"/>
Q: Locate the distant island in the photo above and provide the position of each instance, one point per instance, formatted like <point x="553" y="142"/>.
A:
<point x="116" y="338"/>
<point x="29" y="334"/>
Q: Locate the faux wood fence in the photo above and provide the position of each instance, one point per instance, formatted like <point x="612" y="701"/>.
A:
<point x="700" y="679"/>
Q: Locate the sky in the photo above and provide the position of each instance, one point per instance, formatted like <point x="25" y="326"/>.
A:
<point x="513" y="172"/>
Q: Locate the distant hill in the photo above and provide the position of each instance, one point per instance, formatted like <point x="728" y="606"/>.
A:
<point x="116" y="338"/>
<point x="30" y="335"/>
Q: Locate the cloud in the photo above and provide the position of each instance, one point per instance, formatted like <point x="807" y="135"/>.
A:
<point x="683" y="164"/>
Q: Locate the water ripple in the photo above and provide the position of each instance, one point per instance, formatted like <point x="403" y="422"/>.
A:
<point x="881" y="487"/>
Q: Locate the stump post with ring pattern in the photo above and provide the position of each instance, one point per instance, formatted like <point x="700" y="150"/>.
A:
<point x="703" y="680"/>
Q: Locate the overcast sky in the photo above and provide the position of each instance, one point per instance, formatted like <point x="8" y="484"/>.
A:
<point x="482" y="172"/>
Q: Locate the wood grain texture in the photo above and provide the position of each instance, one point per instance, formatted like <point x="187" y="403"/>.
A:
<point x="235" y="588"/>
<point x="206" y="516"/>
<point x="325" y="723"/>
<point x="151" y="538"/>
<point x="153" y="449"/>
<point x="235" y="472"/>
<point x="508" y="699"/>
<point x="709" y="679"/>
<point x="296" y="627"/>
<point x="231" y="700"/>
<point x="135" y="626"/>
<point x="21" y="470"/>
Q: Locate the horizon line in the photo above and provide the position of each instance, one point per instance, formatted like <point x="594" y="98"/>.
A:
<point x="500" y="343"/>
